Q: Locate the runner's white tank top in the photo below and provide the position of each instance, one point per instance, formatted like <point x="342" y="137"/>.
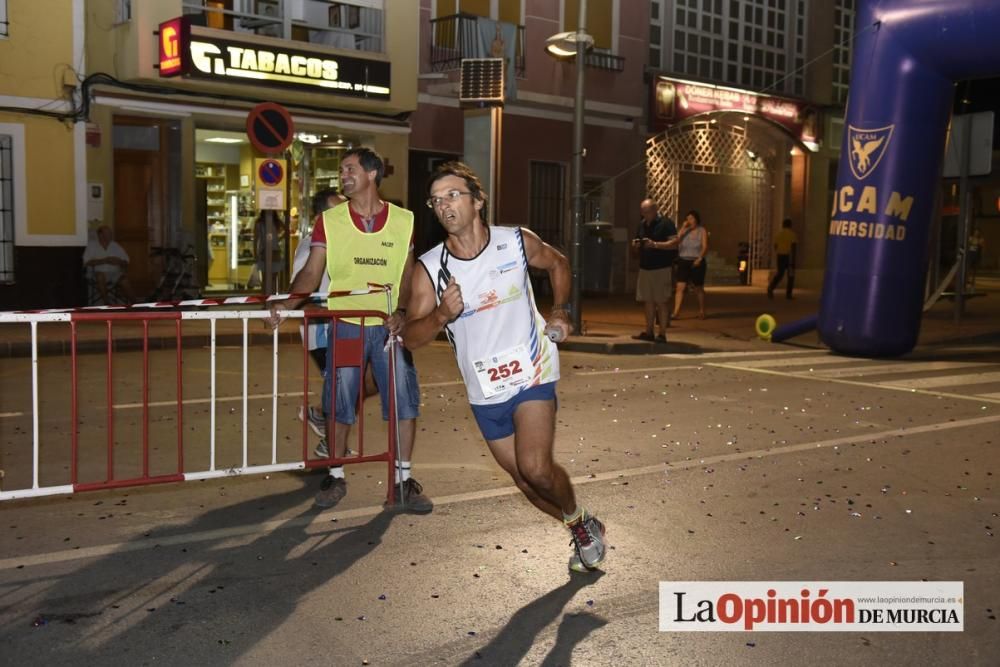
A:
<point x="499" y="339"/>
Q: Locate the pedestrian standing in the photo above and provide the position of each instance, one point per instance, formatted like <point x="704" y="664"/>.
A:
<point x="692" y="244"/>
<point x="655" y="284"/>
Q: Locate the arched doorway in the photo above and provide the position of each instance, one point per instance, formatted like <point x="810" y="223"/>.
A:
<point x="734" y="170"/>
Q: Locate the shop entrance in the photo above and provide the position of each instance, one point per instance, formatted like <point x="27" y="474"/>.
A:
<point x="235" y="236"/>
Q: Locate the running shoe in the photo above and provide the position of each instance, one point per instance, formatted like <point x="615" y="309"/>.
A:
<point x="331" y="491"/>
<point x="322" y="451"/>
<point x="316" y="420"/>
<point x="588" y="539"/>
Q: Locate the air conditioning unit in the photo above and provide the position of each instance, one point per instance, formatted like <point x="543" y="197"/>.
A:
<point x="482" y="82"/>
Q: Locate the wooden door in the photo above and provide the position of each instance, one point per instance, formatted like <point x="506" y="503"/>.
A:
<point x="138" y="195"/>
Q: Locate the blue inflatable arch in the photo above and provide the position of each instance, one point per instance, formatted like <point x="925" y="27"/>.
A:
<point x="907" y="56"/>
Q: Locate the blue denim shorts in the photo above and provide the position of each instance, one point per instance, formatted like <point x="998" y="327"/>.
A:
<point x="349" y="377"/>
<point x="497" y="421"/>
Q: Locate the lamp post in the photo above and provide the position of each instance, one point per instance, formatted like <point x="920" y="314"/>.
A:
<point x="564" y="45"/>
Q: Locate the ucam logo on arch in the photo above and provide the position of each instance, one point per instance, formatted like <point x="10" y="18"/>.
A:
<point x="867" y="148"/>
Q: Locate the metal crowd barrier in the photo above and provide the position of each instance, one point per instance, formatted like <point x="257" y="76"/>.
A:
<point x="343" y="352"/>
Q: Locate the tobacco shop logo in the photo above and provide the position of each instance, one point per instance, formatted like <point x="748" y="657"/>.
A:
<point x="867" y="148"/>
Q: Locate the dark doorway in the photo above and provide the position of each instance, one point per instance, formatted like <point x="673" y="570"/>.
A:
<point x="427" y="232"/>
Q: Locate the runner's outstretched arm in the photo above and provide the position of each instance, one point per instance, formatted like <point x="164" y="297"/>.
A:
<point x="424" y="316"/>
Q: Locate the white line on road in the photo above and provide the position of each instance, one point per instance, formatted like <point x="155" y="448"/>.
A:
<point x="320" y="522"/>
<point x="898" y="367"/>
<point x="819" y="360"/>
<point x="945" y="381"/>
<point x="735" y="353"/>
<point x="651" y="369"/>
<point x="857" y="383"/>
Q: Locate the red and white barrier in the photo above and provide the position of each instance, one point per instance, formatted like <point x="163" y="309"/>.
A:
<point x="344" y="353"/>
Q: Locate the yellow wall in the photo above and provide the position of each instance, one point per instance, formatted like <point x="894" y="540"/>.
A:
<point x="34" y="60"/>
<point x="50" y="185"/>
<point x="51" y="177"/>
<point x="600" y="15"/>
<point x="39" y="48"/>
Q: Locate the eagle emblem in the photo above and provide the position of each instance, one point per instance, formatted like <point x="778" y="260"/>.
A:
<point x="867" y="147"/>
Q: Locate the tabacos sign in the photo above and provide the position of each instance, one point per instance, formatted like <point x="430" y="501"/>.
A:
<point x="184" y="52"/>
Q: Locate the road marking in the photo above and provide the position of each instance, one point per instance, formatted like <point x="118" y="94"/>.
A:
<point x="820" y="360"/>
<point x="858" y="383"/>
<point x="449" y="383"/>
<point x="898" y="367"/>
<point x="734" y="353"/>
<point x="649" y="369"/>
<point x="321" y="523"/>
<point x="946" y="381"/>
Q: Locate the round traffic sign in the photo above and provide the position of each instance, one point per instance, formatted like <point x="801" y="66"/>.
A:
<point x="271" y="172"/>
<point x="270" y="127"/>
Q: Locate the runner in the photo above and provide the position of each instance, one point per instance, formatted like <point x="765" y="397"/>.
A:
<point x="475" y="286"/>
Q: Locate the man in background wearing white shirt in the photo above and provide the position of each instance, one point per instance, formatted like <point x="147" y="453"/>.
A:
<point x="107" y="262"/>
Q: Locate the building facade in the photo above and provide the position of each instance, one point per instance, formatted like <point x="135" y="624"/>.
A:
<point x="160" y="150"/>
<point x="747" y="98"/>
<point x="43" y="206"/>
<point x="533" y="135"/>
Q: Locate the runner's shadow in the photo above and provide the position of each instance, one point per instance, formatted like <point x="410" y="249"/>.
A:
<point x="573" y="630"/>
<point x="220" y="579"/>
<point x="517" y="637"/>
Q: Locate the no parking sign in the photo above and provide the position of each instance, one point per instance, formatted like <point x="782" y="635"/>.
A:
<point x="270" y="182"/>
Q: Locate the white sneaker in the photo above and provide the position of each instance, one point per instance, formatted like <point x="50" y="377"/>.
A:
<point x="588" y="540"/>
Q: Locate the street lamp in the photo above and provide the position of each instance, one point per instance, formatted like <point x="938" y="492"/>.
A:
<point x="565" y="45"/>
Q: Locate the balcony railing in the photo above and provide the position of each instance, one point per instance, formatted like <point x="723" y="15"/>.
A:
<point x="599" y="59"/>
<point x="458" y="36"/>
<point x="343" y="25"/>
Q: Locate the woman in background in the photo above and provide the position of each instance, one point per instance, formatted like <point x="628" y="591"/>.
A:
<point x="691" y="244"/>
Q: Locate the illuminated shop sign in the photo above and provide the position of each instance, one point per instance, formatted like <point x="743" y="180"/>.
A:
<point x="673" y="101"/>
<point x="172" y="33"/>
<point x="207" y="57"/>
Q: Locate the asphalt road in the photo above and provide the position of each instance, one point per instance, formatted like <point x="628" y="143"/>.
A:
<point x="763" y="463"/>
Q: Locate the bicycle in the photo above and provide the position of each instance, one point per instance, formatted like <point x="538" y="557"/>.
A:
<point x="177" y="280"/>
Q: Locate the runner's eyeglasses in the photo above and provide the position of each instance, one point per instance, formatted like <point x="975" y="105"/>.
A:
<point x="449" y="197"/>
